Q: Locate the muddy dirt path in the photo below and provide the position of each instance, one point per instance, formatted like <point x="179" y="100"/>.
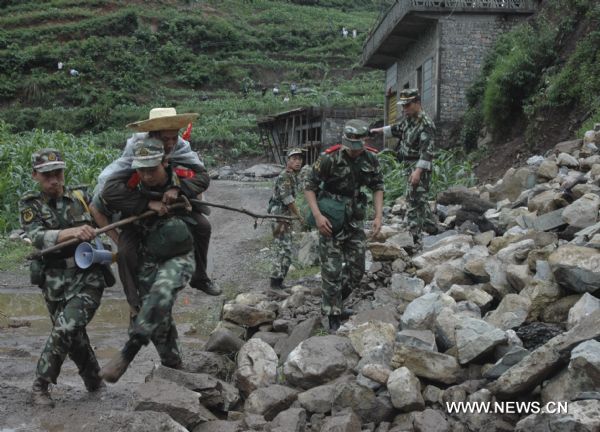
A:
<point x="234" y="262"/>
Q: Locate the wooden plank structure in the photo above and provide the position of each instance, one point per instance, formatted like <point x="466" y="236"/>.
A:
<point x="311" y="128"/>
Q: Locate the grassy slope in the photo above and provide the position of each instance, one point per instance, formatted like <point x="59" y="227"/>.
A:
<point x="194" y="55"/>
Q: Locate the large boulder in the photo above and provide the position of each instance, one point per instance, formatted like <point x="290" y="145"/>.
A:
<point x="576" y="268"/>
<point x="420" y="313"/>
<point x="362" y="401"/>
<point x="510" y="313"/>
<point x="256" y="366"/>
<point x="180" y="403"/>
<point x="246" y="315"/>
<point x="582" y="212"/>
<point x="290" y="420"/>
<point x="475" y="338"/>
<point x="426" y="364"/>
<point x="371" y="334"/>
<point x="214" y="392"/>
<point x="318" y="360"/>
<point x="343" y="422"/>
<point x="405" y="390"/>
<point x="545" y="360"/>
<point x="300" y="333"/>
<point x="270" y="401"/>
<point x="585" y="306"/>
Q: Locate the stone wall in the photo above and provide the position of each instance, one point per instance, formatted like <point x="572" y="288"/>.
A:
<point x="464" y="41"/>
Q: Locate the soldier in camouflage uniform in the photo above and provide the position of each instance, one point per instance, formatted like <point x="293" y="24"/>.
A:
<point x="50" y="216"/>
<point x="416" y="147"/>
<point x="166" y="251"/>
<point x="283" y="202"/>
<point x="337" y="176"/>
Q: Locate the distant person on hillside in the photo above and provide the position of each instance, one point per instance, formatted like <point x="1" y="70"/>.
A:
<point x="416" y="147"/>
<point x="293" y="89"/>
<point x="344" y="32"/>
<point x="74" y="72"/>
<point x="275" y="90"/>
<point x="354" y="34"/>
<point x="60" y="65"/>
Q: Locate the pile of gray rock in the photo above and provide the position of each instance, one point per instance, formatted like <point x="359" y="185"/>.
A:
<point x="500" y="309"/>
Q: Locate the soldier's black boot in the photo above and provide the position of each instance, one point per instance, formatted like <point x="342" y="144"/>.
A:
<point x="334" y="323"/>
<point x="40" y="396"/>
<point x="117" y="366"/>
<point x="277" y="283"/>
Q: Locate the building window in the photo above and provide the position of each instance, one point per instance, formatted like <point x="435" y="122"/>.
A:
<point x="426" y="81"/>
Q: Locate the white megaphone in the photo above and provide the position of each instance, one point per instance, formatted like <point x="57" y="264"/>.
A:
<point x="86" y="255"/>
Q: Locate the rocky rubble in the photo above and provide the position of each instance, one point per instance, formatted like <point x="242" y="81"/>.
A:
<point x="501" y="307"/>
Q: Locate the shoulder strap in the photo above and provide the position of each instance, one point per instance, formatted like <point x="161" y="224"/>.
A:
<point x="79" y="195"/>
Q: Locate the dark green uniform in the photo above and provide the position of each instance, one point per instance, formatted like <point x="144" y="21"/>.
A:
<point x="337" y="176"/>
<point x="284" y="194"/>
<point x="72" y="295"/>
<point x="416" y="148"/>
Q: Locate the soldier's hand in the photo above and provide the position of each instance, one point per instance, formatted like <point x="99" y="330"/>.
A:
<point x="83" y="233"/>
<point x="170" y="196"/>
<point x="159" y="207"/>
<point x="376" y="227"/>
<point x="415" y="177"/>
<point x="375" y="131"/>
<point x="325" y="227"/>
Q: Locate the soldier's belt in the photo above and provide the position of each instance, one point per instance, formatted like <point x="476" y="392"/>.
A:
<point x="65" y="263"/>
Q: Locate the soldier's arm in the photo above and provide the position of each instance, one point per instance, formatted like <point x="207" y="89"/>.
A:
<point x="426" y="148"/>
<point x="42" y="237"/>
<point x="193" y="181"/>
<point x="312" y="186"/>
<point x="117" y="196"/>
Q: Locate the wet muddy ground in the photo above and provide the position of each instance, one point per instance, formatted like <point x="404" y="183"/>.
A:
<point x="234" y="262"/>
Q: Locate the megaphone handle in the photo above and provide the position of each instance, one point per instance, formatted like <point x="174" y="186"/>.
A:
<point x="99" y="244"/>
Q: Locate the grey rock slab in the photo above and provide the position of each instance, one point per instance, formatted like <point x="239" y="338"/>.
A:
<point x="223" y="341"/>
<point x="582" y="416"/>
<point x="510" y="313"/>
<point x="219" y="426"/>
<point x="214" y="392"/>
<point x="136" y="421"/>
<point x="343" y="422"/>
<point x="318" y="360"/>
<point x="423" y="339"/>
<point x="430" y="420"/>
<point x="181" y="404"/>
<point x="585" y="306"/>
<point x="405" y="390"/>
<point x="362" y="401"/>
<point x="426" y="364"/>
<point x="475" y="338"/>
<point x="300" y="333"/>
<point x="245" y="315"/>
<point x="576" y="268"/>
<point x="270" y="401"/>
<point x="514" y="356"/>
<point x="365" y="337"/>
<point x="290" y="420"/>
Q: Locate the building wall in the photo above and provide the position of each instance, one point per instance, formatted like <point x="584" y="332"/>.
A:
<point x="464" y="41"/>
<point x="426" y="47"/>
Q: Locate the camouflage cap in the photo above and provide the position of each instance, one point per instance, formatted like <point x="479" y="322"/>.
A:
<point x="147" y="153"/>
<point x="47" y="159"/>
<point x="295" y="151"/>
<point x="354" y="132"/>
<point x="407" y="96"/>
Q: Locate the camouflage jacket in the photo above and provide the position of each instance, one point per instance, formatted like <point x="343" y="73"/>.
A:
<point x="126" y="193"/>
<point x="284" y="192"/>
<point x="338" y="174"/>
<point x="42" y="218"/>
<point x="416" y="140"/>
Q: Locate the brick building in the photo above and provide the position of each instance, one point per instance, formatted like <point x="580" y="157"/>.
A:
<point x="438" y="46"/>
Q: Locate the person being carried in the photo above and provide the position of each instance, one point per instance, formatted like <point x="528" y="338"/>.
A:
<point x="338" y="206"/>
<point x="165" y="248"/>
<point x="52" y="215"/>
<point x="283" y="202"/>
<point x="163" y="124"/>
<point x="416" y="148"/>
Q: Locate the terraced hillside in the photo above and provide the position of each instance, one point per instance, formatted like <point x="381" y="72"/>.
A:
<point x="195" y="55"/>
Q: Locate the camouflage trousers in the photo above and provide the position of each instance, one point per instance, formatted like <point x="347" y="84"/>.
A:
<point x="281" y="257"/>
<point x="418" y="213"/>
<point x="159" y="283"/>
<point x="342" y="266"/>
<point x="68" y="336"/>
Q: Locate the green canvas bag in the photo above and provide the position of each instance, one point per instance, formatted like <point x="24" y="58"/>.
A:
<point x="170" y="238"/>
<point x="333" y="209"/>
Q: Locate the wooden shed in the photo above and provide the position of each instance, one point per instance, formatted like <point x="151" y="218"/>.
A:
<point x="311" y="128"/>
